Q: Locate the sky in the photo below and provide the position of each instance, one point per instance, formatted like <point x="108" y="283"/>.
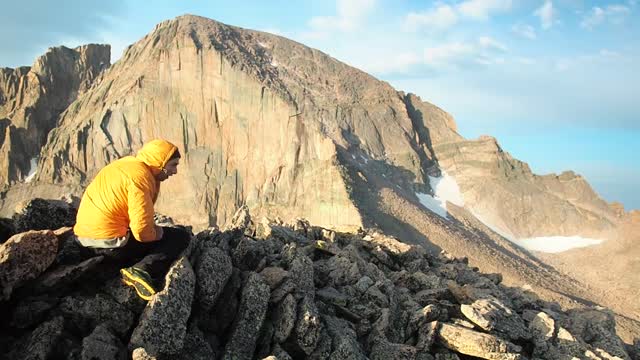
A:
<point x="555" y="81"/>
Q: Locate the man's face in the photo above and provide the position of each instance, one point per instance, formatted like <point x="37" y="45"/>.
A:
<point x="170" y="169"/>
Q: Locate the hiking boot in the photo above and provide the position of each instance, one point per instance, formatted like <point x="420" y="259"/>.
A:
<point x="139" y="280"/>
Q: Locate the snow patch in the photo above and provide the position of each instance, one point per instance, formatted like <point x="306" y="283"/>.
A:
<point x="445" y="188"/>
<point x="353" y="156"/>
<point x="556" y="244"/>
<point x="32" y="169"/>
<point x="274" y="63"/>
<point x="364" y="159"/>
<point x="263" y="45"/>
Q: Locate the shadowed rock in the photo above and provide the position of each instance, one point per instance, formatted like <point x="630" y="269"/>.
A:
<point x="24" y="257"/>
<point x="102" y="344"/>
<point x="213" y="271"/>
<point x="251" y="314"/>
<point x="162" y="327"/>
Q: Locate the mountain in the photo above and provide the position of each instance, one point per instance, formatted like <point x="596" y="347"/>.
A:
<point x="290" y="132"/>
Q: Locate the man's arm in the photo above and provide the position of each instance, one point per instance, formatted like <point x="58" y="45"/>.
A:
<point x="141" y="212"/>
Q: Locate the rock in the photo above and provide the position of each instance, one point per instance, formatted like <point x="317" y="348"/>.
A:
<point x="196" y="347"/>
<point x="251" y="314"/>
<point x="213" y="270"/>
<point x="87" y="312"/>
<point x="220" y="319"/>
<point x="40" y="214"/>
<point x="240" y="220"/>
<point x="301" y="272"/>
<point x="248" y="254"/>
<point x="383" y="349"/>
<point x="597" y="327"/>
<point x="24" y="257"/>
<point x="42" y="342"/>
<point x="65" y="275"/>
<point x="345" y="344"/>
<point x="31" y="311"/>
<point x="474" y="343"/>
<point x="162" y="326"/>
<point x="102" y="344"/>
<point x="274" y="276"/>
<point x="284" y="318"/>
<point x="493" y="315"/>
<point x="308" y="325"/>
<point x="124" y="295"/>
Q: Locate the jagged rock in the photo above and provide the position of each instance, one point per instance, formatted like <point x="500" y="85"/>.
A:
<point x="42" y="342"/>
<point x="383" y="349"/>
<point x="162" y="326"/>
<point x="421" y="317"/>
<point x="251" y="314"/>
<point x="332" y="296"/>
<point x="420" y="280"/>
<point x="493" y="315"/>
<point x="302" y="275"/>
<point x="40" y="214"/>
<point x="87" y="312"/>
<point x="196" y="347"/>
<point x="223" y="315"/>
<point x="213" y="270"/>
<point x="24" y="257"/>
<point x="65" y="275"/>
<point x="31" y="311"/>
<point x="345" y="344"/>
<point x="598" y="328"/>
<point x="284" y="318"/>
<point x="248" y="255"/>
<point x="474" y="343"/>
<point x="240" y="220"/>
<point x="274" y="276"/>
<point x="102" y="344"/>
<point x="124" y="295"/>
<point x="308" y="325"/>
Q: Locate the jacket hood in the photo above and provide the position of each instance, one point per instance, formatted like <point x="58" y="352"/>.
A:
<point x="156" y="154"/>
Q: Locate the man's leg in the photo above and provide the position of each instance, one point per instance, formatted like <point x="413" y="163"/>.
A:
<point x="159" y="256"/>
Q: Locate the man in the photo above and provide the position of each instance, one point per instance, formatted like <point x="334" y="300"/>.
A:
<point x="116" y="216"/>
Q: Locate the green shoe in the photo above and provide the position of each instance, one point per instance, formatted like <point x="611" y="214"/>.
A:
<point x="139" y="280"/>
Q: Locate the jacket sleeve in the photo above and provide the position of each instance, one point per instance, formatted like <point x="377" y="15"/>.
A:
<point x="140" y="204"/>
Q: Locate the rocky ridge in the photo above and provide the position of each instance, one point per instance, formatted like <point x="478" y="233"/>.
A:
<point x="269" y="290"/>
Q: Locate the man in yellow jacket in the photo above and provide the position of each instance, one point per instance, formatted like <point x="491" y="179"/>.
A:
<point x="116" y="216"/>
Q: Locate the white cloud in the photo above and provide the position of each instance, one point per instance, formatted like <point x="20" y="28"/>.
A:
<point x="481" y="9"/>
<point x="439" y="18"/>
<point x="614" y="14"/>
<point x="451" y="55"/>
<point x="447" y="54"/>
<point x="489" y="43"/>
<point x="526" y="31"/>
<point x="546" y="13"/>
<point x="350" y="15"/>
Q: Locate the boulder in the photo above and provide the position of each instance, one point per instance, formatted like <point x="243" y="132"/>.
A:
<point x="24" y="257"/>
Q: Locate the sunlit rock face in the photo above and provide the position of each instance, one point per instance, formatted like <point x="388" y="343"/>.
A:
<point x="32" y="98"/>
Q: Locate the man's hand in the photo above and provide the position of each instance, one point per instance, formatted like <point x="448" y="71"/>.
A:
<point x="159" y="232"/>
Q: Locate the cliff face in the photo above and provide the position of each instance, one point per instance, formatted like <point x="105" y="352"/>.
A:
<point x="31" y="99"/>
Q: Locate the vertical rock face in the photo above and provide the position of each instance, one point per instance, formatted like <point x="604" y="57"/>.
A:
<point x="32" y="98"/>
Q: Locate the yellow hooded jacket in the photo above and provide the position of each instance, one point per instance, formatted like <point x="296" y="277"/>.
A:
<point x="122" y="196"/>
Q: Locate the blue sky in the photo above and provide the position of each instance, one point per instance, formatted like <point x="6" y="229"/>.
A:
<point x="556" y="81"/>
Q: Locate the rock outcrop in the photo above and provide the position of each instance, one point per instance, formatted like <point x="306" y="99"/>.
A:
<point x="315" y="294"/>
<point x="32" y="99"/>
